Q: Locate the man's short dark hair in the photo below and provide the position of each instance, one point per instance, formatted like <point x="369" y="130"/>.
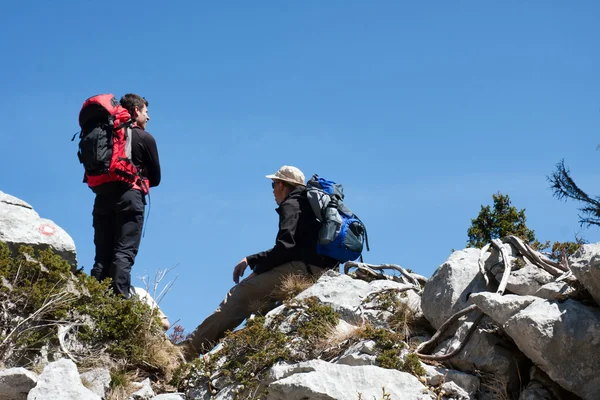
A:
<point x="130" y="101"/>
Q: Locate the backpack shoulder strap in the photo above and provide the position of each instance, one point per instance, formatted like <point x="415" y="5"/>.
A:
<point x="318" y="201"/>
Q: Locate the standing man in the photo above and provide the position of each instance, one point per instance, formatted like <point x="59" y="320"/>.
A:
<point x="295" y="252"/>
<point x="118" y="215"/>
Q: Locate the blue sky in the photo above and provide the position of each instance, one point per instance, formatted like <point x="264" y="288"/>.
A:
<point x="422" y="110"/>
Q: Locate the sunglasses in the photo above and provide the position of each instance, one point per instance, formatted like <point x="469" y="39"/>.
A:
<point x="273" y="185"/>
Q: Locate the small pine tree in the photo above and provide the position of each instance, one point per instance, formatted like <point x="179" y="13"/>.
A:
<point x="564" y="187"/>
<point x="496" y="223"/>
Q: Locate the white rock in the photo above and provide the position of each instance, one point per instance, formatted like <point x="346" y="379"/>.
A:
<point x="145" y="392"/>
<point x="585" y="264"/>
<point x="560" y="338"/>
<point x="454" y="391"/>
<point x="21" y="225"/>
<point x="526" y="280"/>
<point x="228" y="393"/>
<point x="485" y="351"/>
<point x="170" y="396"/>
<point x="60" y="381"/>
<point x="317" y="379"/>
<point x="15" y="383"/>
<point x="199" y="394"/>
<point x="555" y="291"/>
<point x="341" y="292"/>
<point x="511" y="304"/>
<point x="447" y="291"/>
<point x="97" y="380"/>
<point x="361" y="353"/>
<point x="437" y="375"/>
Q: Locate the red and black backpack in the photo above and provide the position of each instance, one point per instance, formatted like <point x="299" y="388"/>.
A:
<point x="105" y="143"/>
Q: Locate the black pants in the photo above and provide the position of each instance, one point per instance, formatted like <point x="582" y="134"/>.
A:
<point x="118" y="221"/>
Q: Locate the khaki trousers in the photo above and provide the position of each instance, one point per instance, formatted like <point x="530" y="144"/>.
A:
<point x="257" y="294"/>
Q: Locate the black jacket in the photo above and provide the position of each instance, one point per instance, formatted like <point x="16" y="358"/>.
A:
<point x="296" y="239"/>
<point x="145" y="155"/>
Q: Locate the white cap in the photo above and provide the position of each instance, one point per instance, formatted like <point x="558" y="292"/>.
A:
<point x="289" y="174"/>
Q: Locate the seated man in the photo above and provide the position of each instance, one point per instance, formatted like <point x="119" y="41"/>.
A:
<point x="294" y="253"/>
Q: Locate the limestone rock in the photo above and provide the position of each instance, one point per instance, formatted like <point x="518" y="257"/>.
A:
<point x="555" y="291"/>
<point x="536" y="391"/>
<point x="437" y="375"/>
<point x="485" y="351"/>
<point x="317" y="379"/>
<point x="145" y="392"/>
<point x="97" y="380"/>
<point x="60" y="381"/>
<point x="341" y="292"/>
<point x="585" y="264"/>
<point x="361" y="353"/>
<point x="560" y="338"/>
<point x="227" y="393"/>
<point x="15" y="383"/>
<point x="526" y="280"/>
<point x="455" y="392"/>
<point x="448" y="290"/>
<point x="201" y="393"/>
<point x="21" y="225"/>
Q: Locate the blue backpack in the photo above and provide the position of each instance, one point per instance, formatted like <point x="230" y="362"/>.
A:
<point x="342" y="234"/>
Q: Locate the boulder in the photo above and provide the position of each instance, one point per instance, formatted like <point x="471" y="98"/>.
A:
<point x="436" y="376"/>
<point x="555" y="291"/>
<point x="60" y="381"/>
<point x="21" y="225"/>
<point x="372" y="305"/>
<point x="144" y="392"/>
<point x="455" y="392"/>
<point x="317" y="379"/>
<point x="585" y="264"/>
<point x="536" y="391"/>
<point x="560" y="338"/>
<point x="487" y="352"/>
<point x="201" y="393"/>
<point x="341" y="292"/>
<point x="15" y="383"/>
<point x="448" y="290"/>
<point x="97" y="380"/>
<point x="361" y="353"/>
<point x="525" y="280"/>
<point x="228" y="393"/>
<point x="542" y="387"/>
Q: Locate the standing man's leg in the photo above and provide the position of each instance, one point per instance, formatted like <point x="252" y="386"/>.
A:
<point x="103" y="218"/>
<point x="249" y="296"/>
<point x="128" y="234"/>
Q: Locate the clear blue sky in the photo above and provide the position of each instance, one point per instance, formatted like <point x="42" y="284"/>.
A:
<point x="422" y="110"/>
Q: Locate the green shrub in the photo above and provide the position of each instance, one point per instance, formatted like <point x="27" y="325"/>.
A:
<point x="43" y="293"/>
<point x="316" y="320"/>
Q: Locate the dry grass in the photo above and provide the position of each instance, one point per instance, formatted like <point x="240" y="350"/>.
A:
<point x="336" y="341"/>
<point x="328" y="342"/>
<point x="403" y="320"/>
<point x="161" y="355"/>
<point x="121" y="384"/>
<point x="292" y="285"/>
<point x="498" y="388"/>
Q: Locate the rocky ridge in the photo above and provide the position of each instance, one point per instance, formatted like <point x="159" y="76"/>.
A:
<point x="503" y="322"/>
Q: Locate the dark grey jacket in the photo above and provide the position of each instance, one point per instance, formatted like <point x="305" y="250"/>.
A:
<point x="296" y="239"/>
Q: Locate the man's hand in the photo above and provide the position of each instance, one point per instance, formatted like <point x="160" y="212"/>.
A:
<point x="239" y="269"/>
